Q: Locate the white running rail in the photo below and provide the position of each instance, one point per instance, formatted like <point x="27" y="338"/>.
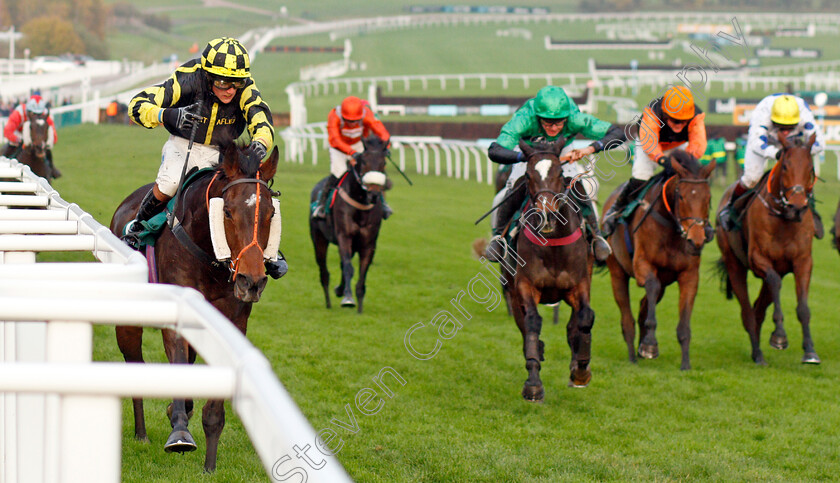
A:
<point x="60" y="413"/>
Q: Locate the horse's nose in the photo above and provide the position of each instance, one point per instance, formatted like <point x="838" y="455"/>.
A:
<point x="249" y="289"/>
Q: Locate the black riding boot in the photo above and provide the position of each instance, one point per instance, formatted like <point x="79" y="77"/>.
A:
<point x="728" y="213"/>
<point x="55" y="171"/>
<point x="277" y="268"/>
<point x="321" y="208"/>
<point x="149" y="207"/>
<point x="497" y="248"/>
<point x="819" y="232"/>
<point x="600" y="248"/>
<point x="612" y="215"/>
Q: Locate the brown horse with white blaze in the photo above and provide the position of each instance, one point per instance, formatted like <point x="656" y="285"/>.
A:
<point x="227" y="225"/>
<point x="35" y="143"/>
<point x="660" y="244"/>
<point x="554" y="264"/>
<point x="774" y="240"/>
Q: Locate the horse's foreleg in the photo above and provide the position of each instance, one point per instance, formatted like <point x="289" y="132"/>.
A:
<point x="773" y="281"/>
<point x="764" y="299"/>
<point x="688" y="281"/>
<point x="802" y="276"/>
<point x="533" y="347"/>
<point x="579" y="335"/>
<point x="130" y="342"/>
<point x="213" y="421"/>
<point x="180" y="440"/>
<point x="365" y="259"/>
<point x="648" y="346"/>
<point x="345" y="251"/>
<point x="621" y="292"/>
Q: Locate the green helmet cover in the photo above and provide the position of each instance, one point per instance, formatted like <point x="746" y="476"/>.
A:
<point x="552" y="103"/>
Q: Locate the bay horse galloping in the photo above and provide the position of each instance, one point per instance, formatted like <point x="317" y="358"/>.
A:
<point x="225" y="264"/>
<point x="35" y="143"/>
<point x="552" y="263"/>
<point x="353" y="222"/>
<point x="660" y="244"/>
<point x="774" y="240"/>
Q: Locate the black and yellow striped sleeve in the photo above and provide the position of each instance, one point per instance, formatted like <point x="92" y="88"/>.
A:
<point x="257" y="116"/>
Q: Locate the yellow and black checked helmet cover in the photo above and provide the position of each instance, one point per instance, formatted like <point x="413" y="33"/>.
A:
<point x="226" y="57"/>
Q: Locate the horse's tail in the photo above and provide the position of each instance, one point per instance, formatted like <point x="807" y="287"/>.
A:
<point x="725" y="283"/>
<point x="479" y="247"/>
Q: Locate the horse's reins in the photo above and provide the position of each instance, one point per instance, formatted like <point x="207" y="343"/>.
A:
<point x="350" y="201"/>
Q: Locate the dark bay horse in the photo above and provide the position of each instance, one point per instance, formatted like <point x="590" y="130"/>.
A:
<point x="353" y="222"/>
<point x="660" y="245"/>
<point x="36" y="140"/>
<point x="775" y="239"/>
<point x="237" y="201"/>
<point x="551" y="263"/>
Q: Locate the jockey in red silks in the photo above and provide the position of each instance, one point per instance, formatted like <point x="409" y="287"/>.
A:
<point x="13" y="132"/>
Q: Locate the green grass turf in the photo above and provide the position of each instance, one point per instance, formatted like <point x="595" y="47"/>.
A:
<point x="459" y="416"/>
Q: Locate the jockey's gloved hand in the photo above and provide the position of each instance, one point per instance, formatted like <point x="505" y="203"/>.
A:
<point x="180" y="118"/>
<point x="257" y="149"/>
<point x="665" y="162"/>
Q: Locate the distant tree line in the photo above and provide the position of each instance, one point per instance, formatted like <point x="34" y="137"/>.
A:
<point x="55" y="27"/>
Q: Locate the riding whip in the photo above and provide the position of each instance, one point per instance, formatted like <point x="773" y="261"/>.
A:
<point x="512" y="192"/>
<point x="186" y="162"/>
<point x="400" y="171"/>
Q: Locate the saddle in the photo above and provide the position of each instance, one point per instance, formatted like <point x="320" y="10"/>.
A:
<point x="154" y="226"/>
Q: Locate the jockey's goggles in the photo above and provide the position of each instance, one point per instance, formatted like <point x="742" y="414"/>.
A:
<point x="552" y="122"/>
<point x="351" y="121"/>
<point x="225" y="84"/>
<point x="784" y="127"/>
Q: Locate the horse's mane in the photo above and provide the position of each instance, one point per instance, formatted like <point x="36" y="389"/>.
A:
<point x="374" y="143"/>
<point x="687" y="161"/>
<point x="248" y="164"/>
<point x="540" y="145"/>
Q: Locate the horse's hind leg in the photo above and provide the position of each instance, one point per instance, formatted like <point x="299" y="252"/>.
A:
<point x="321" y="245"/>
<point x="621" y="293"/>
<point x="345" y="251"/>
<point x="738" y="279"/>
<point x="213" y="421"/>
<point x="130" y="342"/>
<point x="802" y="276"/>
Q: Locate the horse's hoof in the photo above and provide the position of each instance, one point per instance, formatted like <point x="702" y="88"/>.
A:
<point x="533" y="393"/>
<point x="348" y="302"/>
<point x="778" y="342"/>
<point x="580" y="378"/>
<point x="759" y="360"/>
<point x="648" y="351"/>
<point x="811" y="358"/>
<point x="180" y="442"/>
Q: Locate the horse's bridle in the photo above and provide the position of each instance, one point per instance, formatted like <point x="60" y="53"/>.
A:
<point x="678" y="220"/>
<point x="782" y="198"/>
<point x="565" y="196"/>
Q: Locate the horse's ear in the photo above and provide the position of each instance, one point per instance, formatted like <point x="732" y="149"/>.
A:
<point x="525" y="148"/>
<point x="812" y="140"/>
<point x="707" y="170"/>
<point x="269" y="167"/>
<point x="679" y="168"/>
<point x="229" y="161"/>
<point x="559" y="144"/>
